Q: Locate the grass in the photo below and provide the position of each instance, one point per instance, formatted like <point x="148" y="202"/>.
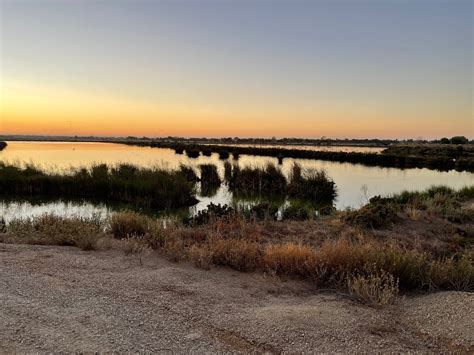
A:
<point x="310" y="184"/>
<point x="328" y="253"/>
<point x="189" y="173"/>
<point x="3" y="145"/>
<point x="145" y="188"/>
<point x="209" y="174"/>
<point x="440" y="201"/>
<point x="257" y="180"/>
<point x="378" y="288"/>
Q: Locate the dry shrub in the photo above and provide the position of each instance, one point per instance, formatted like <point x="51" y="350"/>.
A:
<point x="290" y="259"/>
<point x="201" y="257"/>
<point x="126" y="224"/>
<point x="376" y="288"/>
<point x="451" y="274"/>
<point x="133" y="245"/>
<point x="413" y="213"/>
<point x="238" y="254"/>
<point x="49" y="229"/>
<point x="175" y="249"/>
<point x="373" y="215"/>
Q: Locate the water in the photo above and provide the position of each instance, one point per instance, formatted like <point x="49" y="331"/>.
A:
<point x="355" y="183"/>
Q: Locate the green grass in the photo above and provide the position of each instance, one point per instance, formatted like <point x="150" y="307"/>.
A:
<point x="310" y="184"/>
<point x="140" y="187"/>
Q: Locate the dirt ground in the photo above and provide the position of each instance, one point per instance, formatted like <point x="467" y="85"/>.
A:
<point x="64" y="299"/>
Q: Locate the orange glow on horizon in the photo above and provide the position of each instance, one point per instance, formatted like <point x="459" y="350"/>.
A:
<point x="38" y="109"/>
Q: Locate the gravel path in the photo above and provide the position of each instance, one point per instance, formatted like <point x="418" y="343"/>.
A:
<point x="64" y="299"/>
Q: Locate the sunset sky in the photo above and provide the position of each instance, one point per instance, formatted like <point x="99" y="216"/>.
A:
<point x="355" y="68"/>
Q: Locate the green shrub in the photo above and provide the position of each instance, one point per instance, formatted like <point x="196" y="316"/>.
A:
<point x="372" y="215"/>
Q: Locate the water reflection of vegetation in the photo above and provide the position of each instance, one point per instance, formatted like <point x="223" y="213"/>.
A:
<point x="394" y="158"/>
<point x="141" y="187"/>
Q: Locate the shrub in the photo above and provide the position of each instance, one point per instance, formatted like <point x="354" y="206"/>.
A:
<point x="298" y="211"/>
<point x="128" y="224"/>
<point x="372" y="215"/>
<point x="179" y="150"/>
<point x="377" y="288"/>
<point x="49" y="229"/>
<point x="261" y="211"/>
<point x="240" y="255"/>
<point x="209" y="175"/>
<point x="3" y="145"/>
<point x="291" y="259"/>
<point x="192" y="153"/>
<point x="223" y="154"/>
<point x="206" y="152"/>
<point x="212" y="213"/>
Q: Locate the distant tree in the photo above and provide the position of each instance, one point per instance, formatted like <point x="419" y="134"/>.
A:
<point x="459" y="140"/>
<point x="445" y="140"/>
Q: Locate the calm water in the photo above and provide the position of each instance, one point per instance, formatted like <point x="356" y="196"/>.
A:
<point x="355" y="183"/>
<point x="323" y="148"/>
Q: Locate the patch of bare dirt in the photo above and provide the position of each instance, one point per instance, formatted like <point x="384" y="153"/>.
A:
<point x="64" y="299"/>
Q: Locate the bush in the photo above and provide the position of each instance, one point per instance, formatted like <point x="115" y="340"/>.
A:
<point x="223" y="154"/>
<point x="49" y="229"/>
<point x="192" y="153"/>
<point x="240" y="255"/>
<point x="375" y="288"/>
<point x="374" y="215"/>
<point x="298" y="211"/>
<point x="261" y="211"/>
<point x="128" y="224"/>
<point x="212" y="213"/>
<point x="209" y="175"/>
<point x="206" y="152"/>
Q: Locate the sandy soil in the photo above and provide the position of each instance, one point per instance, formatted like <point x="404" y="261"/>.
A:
<point x="65" y="299"/>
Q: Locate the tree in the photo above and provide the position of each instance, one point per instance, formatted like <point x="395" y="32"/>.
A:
<point x="445" y="140"/>
<point x="459" y="140"/>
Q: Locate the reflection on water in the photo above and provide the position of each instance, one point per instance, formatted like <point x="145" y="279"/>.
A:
<point x="355" y="183"/>
<point x="24" y="209"/>
<point x="317" y="148"/>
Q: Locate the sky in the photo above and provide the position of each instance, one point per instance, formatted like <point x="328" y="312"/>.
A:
<point x="248" y="68"/>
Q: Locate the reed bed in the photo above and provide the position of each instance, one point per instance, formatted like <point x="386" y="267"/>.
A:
<point x="141" y="187"/>
<point x="393" y="157"/>
<point x="308" y="184"/>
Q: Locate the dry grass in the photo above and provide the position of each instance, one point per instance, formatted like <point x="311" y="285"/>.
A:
<point x="53" y="230"/>
<point x="370" y="265"/>
<point x="378" y="288"/>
